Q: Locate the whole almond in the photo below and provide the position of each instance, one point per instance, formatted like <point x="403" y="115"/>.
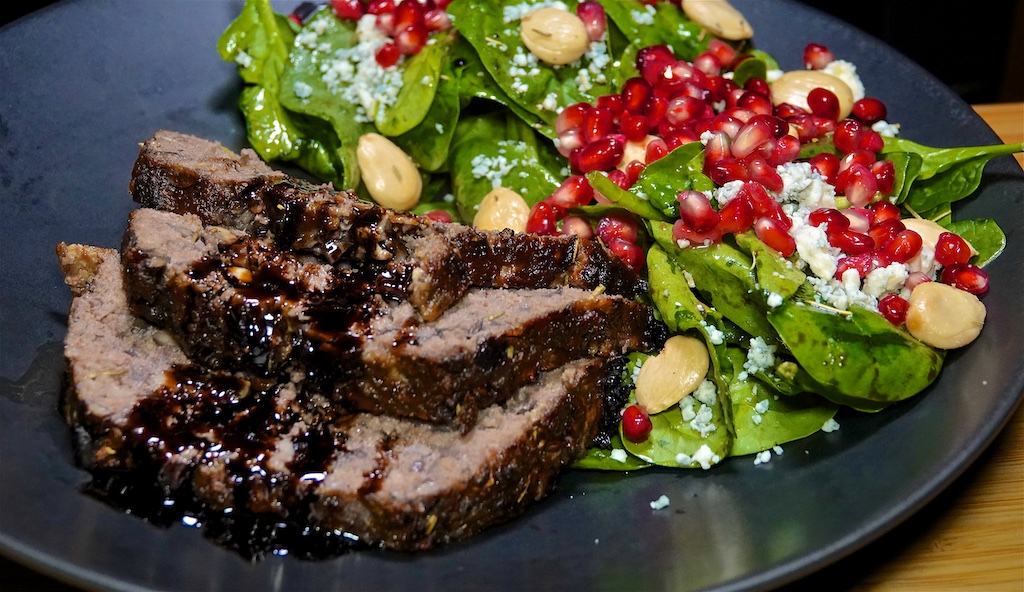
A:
<point x="675" y="372"/>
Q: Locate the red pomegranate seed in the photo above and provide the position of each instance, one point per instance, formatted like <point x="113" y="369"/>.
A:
<point x="833" y="219"/>
<point x="904" y="246"/>
<point x="775" y="236"/>
<point x="439" y="216"/>
<point x="725" y="170"/>
<point x="574" y="191"/>
<point x="864" y="157"/>
<point x="787" y="149"/>
<point x="378" y="7"/>
<point x="630" y="253"/>
<point x="817" y="56"/>
<point x="915" y="279"/>
<point x="618" y="225"/>
<point x="857" y="184"/>
<point x="620" y="178"/>
<point x="681" y="232"/>
<point x="407" y="14"/>
<point x="758" y="170"/>
<point x="880" y="211"/>
<point x="850" y="242"/>
<point x="656" y="148"/>
<point x="601" y="155"/>
<point x="411" y="39"/>
<point x="568" y="141"/>
<point x="572" y="117"/>
<point x="860" y="219"/>
<point x="543" y="219"/>
<point x="757" y="103"/>
<point x="759" y="86"/>
<point x="708" y="63"/>
<point x="722" y="50"/>
<point x="737" y="216"/>
<point x="683" y="109"/>
<point x="578" y="226"/>
<point x="633" y="170"/>
<point x="677" y="74"/>
<point x="779" y="127"/>
<point x="847" y="135"/>
<point x="592" y="15"/>
<point x="750" y="136"/>
<point x="885" y="175"/>
<point x="823" y="103"/>
<point x="884" y="232"/>
<point x="894" y="309"/>
<point x="717" y="147"/>
<point x="870" y="140"/>
<point x="869" y="110"/>
<point x="348" y="9"/>
<point x="613" y="103"/>
<point x="806" y="129"/>
<point x="951" y="249"/>
<point x="862" y="263"/>
<point x="388" y="55"/>
<point x="734" y="96"/>
<point x="826" y="164"/>
<point x="635" y="93"/>
<point x="652" y="61"/>
<point x="967" y="277"/>
<point x="696" y="211"/>
<point x="720" y="87"/>
<point x="437" y="20"/>
<point x="598" y="123"/>
<point x="636" y="424"/>
<point x="654" y="109"/>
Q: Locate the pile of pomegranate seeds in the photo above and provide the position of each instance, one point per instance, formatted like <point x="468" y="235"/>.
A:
<point x="747" y="139"/>
<point x="408" y="23"/>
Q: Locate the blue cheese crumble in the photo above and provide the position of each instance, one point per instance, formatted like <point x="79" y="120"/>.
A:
<point x="661" y="503"/>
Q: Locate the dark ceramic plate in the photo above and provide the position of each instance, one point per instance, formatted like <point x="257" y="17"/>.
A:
<point x="84" y="82"/>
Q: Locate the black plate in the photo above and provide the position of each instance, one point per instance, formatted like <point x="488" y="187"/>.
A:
<point x="84" y="82"/>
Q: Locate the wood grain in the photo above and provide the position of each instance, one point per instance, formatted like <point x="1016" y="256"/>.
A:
<point x="971" y="537"/>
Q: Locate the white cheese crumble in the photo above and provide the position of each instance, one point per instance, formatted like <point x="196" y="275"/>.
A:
<point x="243" y="59"/>
<point x="661" y="503"/>
<point x="774" y="300"/>
<point x="847" y="72"/>
<point x="705" y="457"/>
<point x="886" y="129"/>
<point x="830" y="426"/>
<point x="354" y="75"/>
<point x="516" y="12"/>
<point x="762" y="406"/>
<point x="760" y="356"/>
<point x="715" y="336"/>
<point x="762" y="457"/>
<point x="619" y="454"/>
<point x="643" y="17"/>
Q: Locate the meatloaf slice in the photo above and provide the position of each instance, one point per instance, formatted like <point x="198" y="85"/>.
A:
<point x="137" y="405"/>
<point x="233" y="303"/>
<point x="432" y="263"/>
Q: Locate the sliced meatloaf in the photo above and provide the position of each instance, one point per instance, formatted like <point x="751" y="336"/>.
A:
<point x="431" y="263"/>
<point x="262" y="446"/>
<point x="236" y="304"/>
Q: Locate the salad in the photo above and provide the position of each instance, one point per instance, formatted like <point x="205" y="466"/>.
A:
<point x="803" y="255"/>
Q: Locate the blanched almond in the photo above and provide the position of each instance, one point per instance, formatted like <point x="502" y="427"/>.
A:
<point x="502" y="208"/>
<point x="388" y="172"/>
<point x="719" y="17"/>
<point x="675" y="372"/>
<point x="943" y="316"/>
<point x="554" y="35"/>
<point x="794" y="86"/>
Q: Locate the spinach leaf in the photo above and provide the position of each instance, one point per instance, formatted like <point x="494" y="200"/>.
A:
<point x="600" y="459"/>
<point x="621" y="197"/>
<point x="680" y="310"/>
<point x="662" y="180"/>
<point x="428" y="143"/>
<point x="420" y="74"/>
<point x="984" y="235"/>
<point x="686" y="38"/>
<point x="859" y="359"/>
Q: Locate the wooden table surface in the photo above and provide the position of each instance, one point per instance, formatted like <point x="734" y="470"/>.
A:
<point x="969" y="538"/>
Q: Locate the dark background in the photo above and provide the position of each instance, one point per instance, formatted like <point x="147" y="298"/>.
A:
<point x="977" y="50"/>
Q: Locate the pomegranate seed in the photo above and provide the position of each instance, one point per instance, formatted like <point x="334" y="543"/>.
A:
<point x="785" y="110"/>
<point x="817" y="56"/>
<point x="620" y="178"/>
<point x="857" y="184"/>
<point x="696" y="211"/>
<point x="597" y="124"/>
<point x="592" y="15"/>
<point x="654" y="109"/>
<point x="613" y="103"/>
<point x="578" y="226"/>
<point x="572" y="117"/>
<point x="861" y="263"/>
<point x="758" y="85"/>
<point x="630" y="253"/>
<point x="407" y="14"/>
<point x="717" y="147"/>
<point x="823" y="103"/>
<point x="543" y="219"/>
<point x="568" y="141"/>
<point x="737" y="216"/>
<point x="719" y="88"/>
<point x="750" y="136"/>
<point x="574" y="191"/>
<point x="411" y="39"/>
<point x="683" y="109"/>
<point x="722" y="50"/>
<point x="348" y="9"/>
<point x="758" y="196"/>
<point x="439" y="216"/>
<point x="850" y="242"/>
<point x="652" y="61"/>
<point x="860" y="219"/>
<point x="885" y="175"/>
<point x="672" y="80"/>
<point x="379" y="7"/>
<point x="679" y="137"/>
<point x="885" y="231"/>
<point x="915" y="279"/>
<point x="847" y="135"/>
<point x="967" y="277"/>
<point x="656" y="148"/>
<point x="870" y="140"/>
<point x="724" y="122"/>
<point x="635" y="93"/>
<point x="904" y="246"/>
<point x="894" y="309"/>
<point x="881" y="211"/>
<point x="869" y="110"/>
<point x="806" y="130"/>
<point x="951" y="249"/>
<point x="437" y="20"/>
<point x="725" y="170"/>
<point x="759" y="171"/>
<point x="636" y="424"/>
<point x="833" y="219"/>
<point x="600" y="155"/>
<point x="757" y="103"/>
<point x="633" y="170"/>
<point x="618" y="225"/>
<point x="708" y="63"/>
<point x="787" y="149"/>
<point x="681" y="232"/>
<point x="826" y="165"/>
<point x="388" y="55"/>
<point x="734" y="96"/>
<point x="773" y="235"/>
